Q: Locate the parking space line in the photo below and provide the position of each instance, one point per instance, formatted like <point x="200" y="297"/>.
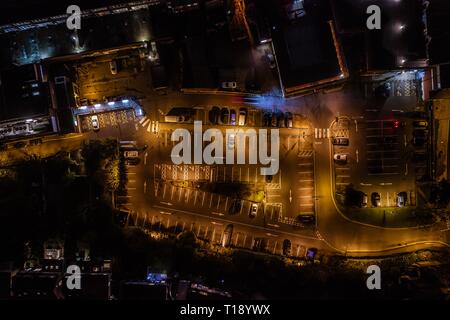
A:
<point x="210" y="200"/>
<point x="203" y="199"/>
<point x="195" y="197"/>
<point x="305" y="180"/>
<point x="383" y="174"/>
<point x="218" y="202"/>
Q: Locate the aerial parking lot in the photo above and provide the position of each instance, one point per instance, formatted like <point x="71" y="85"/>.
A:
<point x="379" y="168"/>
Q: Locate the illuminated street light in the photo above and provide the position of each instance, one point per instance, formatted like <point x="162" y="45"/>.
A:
<point x="83" y="107"/>
<point x="97" y="105"/>
<point x="111" y="103"/>
<point x="125" y="101"/>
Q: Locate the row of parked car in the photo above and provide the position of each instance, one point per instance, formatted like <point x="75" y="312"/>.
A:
<point x="229" y="116"/>
<point x="420" y="133"/>
<point x="261" y="244"/>
<point x="278" y="119"/>
<point x="226" y="116"/>
<point x="375" y="199"/>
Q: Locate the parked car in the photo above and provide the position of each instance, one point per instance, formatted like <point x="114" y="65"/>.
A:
<point x="389" y="139"/>
<point x="423" y="133"/>
<point x="35" y="142"/>
<point x="287" y="247"/>
<point x="253" y="210"/>
<point x="227" y="235"/>
<point x="19" y="144"/>
<point x="420" y="124"/>
<point x="340" y="158"/>
<point x="269" y="178"/>
<point x="280" y="120"/>
<point x="267" y="118"/>
<point x="213" y="115"/>
<point x="401" y="199"/>
<point x="259" y="244"/>
<point x="224" y="116"/>
<point x="273" y="119"/>
<point x="113" y="66"/>
<point x="232" y="117"/>
<point x="271" y="59"/>
<point x="132" y="161"/>
<point x="376" y="199"/>
<point x="288" y="119"/>
<point x="309" y="218"/>
<point x="340" y="141"/>
<point x="363" y="200"/>
<point x="235" y="206"/>
<point x="229" y="85"/>
<point x="94" y="123"/>
<point x="242" y="116"/>
<point x="420" y="137"/>
<point x="420" y="156"/>
<point x="130" y="154"/>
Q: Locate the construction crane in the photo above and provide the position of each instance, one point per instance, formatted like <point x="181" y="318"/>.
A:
<point x="239" y="26"/>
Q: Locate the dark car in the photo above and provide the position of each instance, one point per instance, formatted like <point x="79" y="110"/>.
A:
<point x="19" y="144"/>
<point x="35" y="142"/>
<point x="235" y="206"/>
<point x="269" y="178"/>
<point x="214" y="115"/>
<point x="376" y="199"/>
<point x="227" y="234"/>
<point x="224" y="116"/>
<point x="420" y="156"/>
<point x="267" y="119"/>
<point x="260" y="244"/>
<point x="419" y="137"/>
<point x="273" y="119"/>
<point x="306" y="218"/>
<point x="132" y="161"/>
<point x="421" y="133"/>
<point x="341" y="141"/>
<point x="280" y="120"/>
<point x="389" y="139"/>
<point x="288" y="118"/>
<point x="287" y="247"/>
